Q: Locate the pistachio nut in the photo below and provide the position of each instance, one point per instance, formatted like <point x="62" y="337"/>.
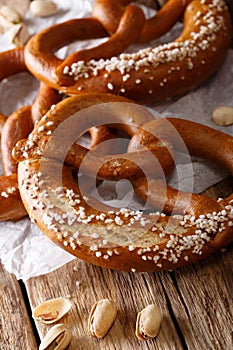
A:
<point x="57" y="338"/>
<point x="43" y="8"/>
<point x="21" y="7"/>
<point x="102" y="317"/>
<point x="10" y="14"/>
<point x="51" y="310"/>
<point x="5" y="24"/>
<point x="148" y="322"/>
<point x="223" y="115"/>
<point x="19" y="34"/>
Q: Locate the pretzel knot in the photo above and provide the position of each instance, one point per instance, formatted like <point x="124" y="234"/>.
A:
<point x="149" y="75"/>
<point x="121" y="238"/>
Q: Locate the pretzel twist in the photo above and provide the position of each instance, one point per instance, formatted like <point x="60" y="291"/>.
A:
<point x="200" y="143"/>
<point x="115" y="238"/>
<point x="109" y="13"/>
<point x="149" y="75"/>
<point x="39" y="52"/>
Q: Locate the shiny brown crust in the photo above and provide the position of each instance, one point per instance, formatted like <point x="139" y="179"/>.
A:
<point x="18" y="125"/>
<point x="12" y="62"/>
<point x="149" y="75"/>
<point x="39" y="52"/>
<point x="109" y="13"/>
<point x="3" y="119"/>
<point x="200" y="141"/>
<point x="122" y="239"/>
<point x="11" y="207"/>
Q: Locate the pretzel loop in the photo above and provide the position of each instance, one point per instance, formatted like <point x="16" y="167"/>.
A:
<point x="148" y="75"/>
<point x="200" y="143"/>
<point x="49" y="68"/>
<point x="118" y="238"/>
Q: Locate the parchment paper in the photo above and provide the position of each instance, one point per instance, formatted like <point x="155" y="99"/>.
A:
<point x="24" y="249"/>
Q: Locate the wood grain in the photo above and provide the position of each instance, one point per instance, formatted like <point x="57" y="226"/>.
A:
<point x="15" y="327"/>
<point x="84" y="284"/>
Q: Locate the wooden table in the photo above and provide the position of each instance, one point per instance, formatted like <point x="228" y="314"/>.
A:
<point x="196" y="302"/>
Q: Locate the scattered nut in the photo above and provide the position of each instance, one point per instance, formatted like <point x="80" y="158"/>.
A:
<point x="57" y="338"/>
<point x="19" y="34"/>
<point x="43" y="8"/>
<point x="20" y="7"/>
<point x="10" y="14"/>
<point x="51" y="310"/>
<point x="148" y="322"/>
<point x="223" y="115"/>
<point x="102" y="317"/>
<point x="5" y="24"/>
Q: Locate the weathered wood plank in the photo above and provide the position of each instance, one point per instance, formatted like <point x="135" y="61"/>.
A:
<point x="15" y="327"/>
<point x="205" y="292"/>
<point x="84" y="284"/>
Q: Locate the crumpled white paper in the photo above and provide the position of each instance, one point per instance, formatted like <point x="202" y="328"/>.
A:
<point x="24" y="249"/>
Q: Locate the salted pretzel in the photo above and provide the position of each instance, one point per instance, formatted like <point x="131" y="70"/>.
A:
<point x="118" y="238"/>
<point x="40" y="50"/>
<point x="148" y="75"/>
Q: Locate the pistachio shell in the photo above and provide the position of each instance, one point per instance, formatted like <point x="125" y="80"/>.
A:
<point x="21" y="6"/>
<point x="42" y="8"/>
<point x="148" y="322"/>
<point x="57" y="338"/>
<point x="19" y="34"/>
<point x="101" y="318"/>
<point x="51" y="310"/>
<point x="10" y="14"/>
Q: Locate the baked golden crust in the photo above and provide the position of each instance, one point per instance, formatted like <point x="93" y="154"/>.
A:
<point x="117" y="238"/>
<point x="149" y="75"/>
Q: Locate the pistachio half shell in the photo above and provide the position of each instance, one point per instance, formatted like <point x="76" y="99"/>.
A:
<point x="148" y="322"/>
<point x="51" y="310"/>
<point x="101" y="318"/>
<point x="42" y="8"/>
<point x="10" y="14"/>
<point x="57" y="338"/>
<point x="19" y="34"/>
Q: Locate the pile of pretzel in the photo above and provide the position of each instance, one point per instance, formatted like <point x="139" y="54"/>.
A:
<point x="49" y="176"/>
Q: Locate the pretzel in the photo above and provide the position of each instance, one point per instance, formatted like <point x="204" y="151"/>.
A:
<point x="40" y="49"/>
<point x="148" y="75"/>
<point x="122" y="239"/>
